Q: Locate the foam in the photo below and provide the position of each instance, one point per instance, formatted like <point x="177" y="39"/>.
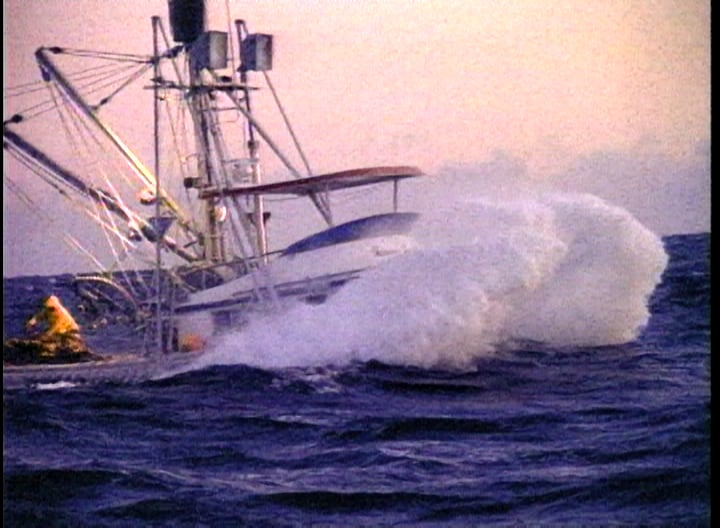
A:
<point x="567" y="270"/>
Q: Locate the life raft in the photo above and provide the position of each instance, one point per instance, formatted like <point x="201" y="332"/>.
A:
<point x="62" y="349"/>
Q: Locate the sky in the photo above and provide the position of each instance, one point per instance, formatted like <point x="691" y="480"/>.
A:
<point x="607" y="97"/>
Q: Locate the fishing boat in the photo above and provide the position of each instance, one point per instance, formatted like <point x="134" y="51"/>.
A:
<point x="182" y="249"/>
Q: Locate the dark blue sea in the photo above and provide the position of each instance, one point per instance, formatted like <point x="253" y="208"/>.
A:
<point x="602" y="436"/>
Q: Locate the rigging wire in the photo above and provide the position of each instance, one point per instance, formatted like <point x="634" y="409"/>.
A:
<point x="108" y="226"/>
<point x="79" y="141"/>
<point x="142" y="67"/>
<point x="37" y="85"/>
<point x="71" y="241"/>
<point x="53" y="182"/>
<point x="50" y="179"/>
<point x="109" y="78"/>
<point x="140" y="72"/>
<point x="105" y="55"/>
<point x="228" y="17"/>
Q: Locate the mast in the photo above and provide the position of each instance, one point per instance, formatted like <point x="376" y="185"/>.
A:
<point x="200" y="107"/>
<point x="156" y="147"/>
<point x="258" y="201"/>
<point x="188" y="21"/>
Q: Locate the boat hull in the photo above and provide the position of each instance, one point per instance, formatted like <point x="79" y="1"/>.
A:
<point x="308" y="276"/>
<point x="121" y="368"/>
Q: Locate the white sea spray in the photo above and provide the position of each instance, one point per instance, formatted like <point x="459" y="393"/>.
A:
<point x="558" y="268"/>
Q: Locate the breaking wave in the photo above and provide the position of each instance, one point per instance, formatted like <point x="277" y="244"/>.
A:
<point x="565" y="270"/>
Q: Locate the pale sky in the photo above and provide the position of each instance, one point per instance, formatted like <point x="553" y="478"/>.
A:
<point x="609" y="97"/>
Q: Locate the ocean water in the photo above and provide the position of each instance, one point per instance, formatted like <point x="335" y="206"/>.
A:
<point x="507" y="392"/>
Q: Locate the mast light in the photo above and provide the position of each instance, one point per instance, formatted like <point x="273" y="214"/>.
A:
<point x="209" y="51"/>
<point x="256" y="52"/>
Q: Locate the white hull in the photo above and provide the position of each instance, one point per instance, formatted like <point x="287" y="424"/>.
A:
<point x="309" y="276"/>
